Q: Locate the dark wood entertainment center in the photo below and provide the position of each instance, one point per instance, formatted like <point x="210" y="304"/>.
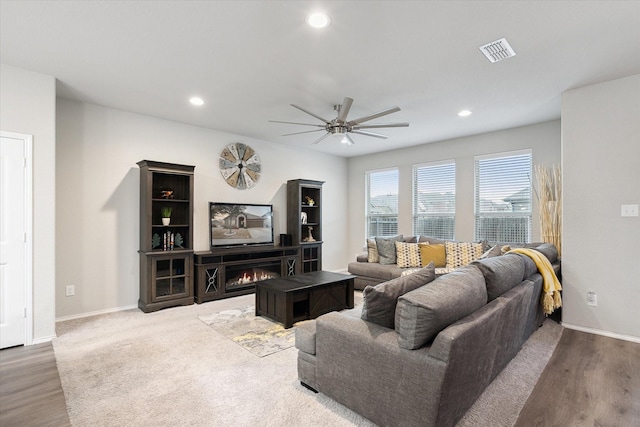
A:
<point x="172" y="274"/>
<point x="220" y="271"/>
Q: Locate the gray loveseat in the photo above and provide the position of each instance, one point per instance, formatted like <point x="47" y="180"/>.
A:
<point x="451" y="337"/>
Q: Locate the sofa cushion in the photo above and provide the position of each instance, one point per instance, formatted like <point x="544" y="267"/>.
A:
<point x="408" y="255"/>
<point x="549" y="250"/>
<point x="459" y="253"/>
<point x="372" y="251"/>
<point x="493" y="251"/>
<point x="387" y="249"/>
<point x="375" y="270"/>
<point x="422" y="313"/>
<point x="430" y="240"/>
<point x="500" y="274"/>
<point x="379" y="305"/>
<point x="433" y="253"/>
<point x="529" y="266"/>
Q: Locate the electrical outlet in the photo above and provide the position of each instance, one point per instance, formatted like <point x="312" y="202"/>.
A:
<point x="69" y="290"/>
<point x="629" y="210"/>
<point x="592" y="299"/>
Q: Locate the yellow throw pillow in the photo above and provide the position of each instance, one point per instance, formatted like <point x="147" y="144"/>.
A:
<point x="433" y="253"/>
<point x="459" y="254"/>
<point x="407" y="255"/>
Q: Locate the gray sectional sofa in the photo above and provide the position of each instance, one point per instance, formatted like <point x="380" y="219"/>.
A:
<point x="448" y="339"/>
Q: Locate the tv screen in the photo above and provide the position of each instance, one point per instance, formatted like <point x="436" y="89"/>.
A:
<point x="235" y="224"/>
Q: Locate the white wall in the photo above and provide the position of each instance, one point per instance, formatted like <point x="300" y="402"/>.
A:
<point x="27" y="105"/>
<point x="543" y="139"/>
<point x="601" y="171"/>
<point x="98" y="196"/>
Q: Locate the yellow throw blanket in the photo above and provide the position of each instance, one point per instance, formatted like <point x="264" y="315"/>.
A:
<point x="550" y="284"/>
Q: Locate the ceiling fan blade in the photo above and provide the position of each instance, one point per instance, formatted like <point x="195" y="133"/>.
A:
<point x="321" y="138"/>
<point x="296" y="123"/>
<point x="306" y="131"/>
<point x="310" y="113"/>
<point x="374" y="116"/>
<point x="349" y="140"/>
<point x="388" y="125"/>
<point x="344" y="109"/>
<point x="375" y="135"/>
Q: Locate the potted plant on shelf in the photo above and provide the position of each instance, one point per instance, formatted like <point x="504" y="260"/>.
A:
<point x="166" y="216"/>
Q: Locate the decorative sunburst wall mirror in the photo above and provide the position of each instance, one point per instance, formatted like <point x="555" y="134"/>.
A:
<point x="240" y="166"/>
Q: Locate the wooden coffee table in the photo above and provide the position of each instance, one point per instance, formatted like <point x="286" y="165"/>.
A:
<point x="304" y="296"/>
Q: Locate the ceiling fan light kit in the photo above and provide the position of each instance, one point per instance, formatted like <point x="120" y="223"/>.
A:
<point x="340" y="125"/>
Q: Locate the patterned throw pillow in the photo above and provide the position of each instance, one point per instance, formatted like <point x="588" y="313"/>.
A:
<point x="387" y="249"/>
<point x="372" y="251"/>
<point x="433" y="253"/>
<point x="408" y="255"/>
<point x="459" y="254"/>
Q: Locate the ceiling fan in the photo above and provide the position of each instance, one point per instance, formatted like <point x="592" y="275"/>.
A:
<point x="340" y="125"/>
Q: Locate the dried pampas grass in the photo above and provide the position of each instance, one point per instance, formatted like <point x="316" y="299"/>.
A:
<point x="549" y="180"/>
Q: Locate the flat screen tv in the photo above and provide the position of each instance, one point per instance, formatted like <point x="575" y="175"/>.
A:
<point x="237" y="224"/>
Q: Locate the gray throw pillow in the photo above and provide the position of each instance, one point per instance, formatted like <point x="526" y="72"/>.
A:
<point x="387" y="249"/>
<point x="379" y="305"/>
<point x="422" y="313"/>
<point x="501" y="274"/>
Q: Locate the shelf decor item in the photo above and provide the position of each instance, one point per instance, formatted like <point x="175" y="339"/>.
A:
<point x="166" y="216"/>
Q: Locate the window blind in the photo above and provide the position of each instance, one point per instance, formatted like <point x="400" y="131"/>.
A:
<point x="503" y="197"/>
<point x="434" y="200"/>
<point x="382" y="203"/>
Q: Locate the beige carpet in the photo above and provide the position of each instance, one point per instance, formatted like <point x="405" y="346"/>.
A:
<point x="168" y="368"/>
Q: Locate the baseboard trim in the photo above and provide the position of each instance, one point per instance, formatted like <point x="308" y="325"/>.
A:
<point x="95" y="313"/>
<point x="601" y="332"/>
<point x="41" y="340"/>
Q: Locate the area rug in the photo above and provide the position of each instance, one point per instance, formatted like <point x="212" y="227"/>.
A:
<point x="256" y="334"/>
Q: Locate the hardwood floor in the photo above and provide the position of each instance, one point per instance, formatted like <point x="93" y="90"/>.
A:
<point x="30" y="390"/>
<point x="590" y="380"/>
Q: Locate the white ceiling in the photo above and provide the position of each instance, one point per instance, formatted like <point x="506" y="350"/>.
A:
<point x="250" y="60"/>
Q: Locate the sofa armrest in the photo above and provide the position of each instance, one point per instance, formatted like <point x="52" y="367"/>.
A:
<point x="362" y="258"/>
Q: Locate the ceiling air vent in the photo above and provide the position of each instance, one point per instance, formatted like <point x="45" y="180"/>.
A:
<point x="497" y="50"/>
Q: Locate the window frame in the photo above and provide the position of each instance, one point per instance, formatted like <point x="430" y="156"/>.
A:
<point x="499" y="217"/>
<point x="445" y="233"/>
<point x="384" y="217"/>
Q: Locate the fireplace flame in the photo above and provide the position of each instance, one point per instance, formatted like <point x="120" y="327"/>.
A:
<point x="247" y="278"/>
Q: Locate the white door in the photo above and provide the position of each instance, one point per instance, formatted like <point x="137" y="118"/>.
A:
<point x="14" y="212"/>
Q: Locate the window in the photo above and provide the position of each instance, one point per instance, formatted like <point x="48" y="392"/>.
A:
<point x="434" y="200"/>
<point x="382" y="203"/>
<point x="503" y="197"/>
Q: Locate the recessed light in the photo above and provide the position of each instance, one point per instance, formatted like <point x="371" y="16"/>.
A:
<point x="318" y="20"/>
<point x="196" y="100"/>
<point x="464" y="113"/>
